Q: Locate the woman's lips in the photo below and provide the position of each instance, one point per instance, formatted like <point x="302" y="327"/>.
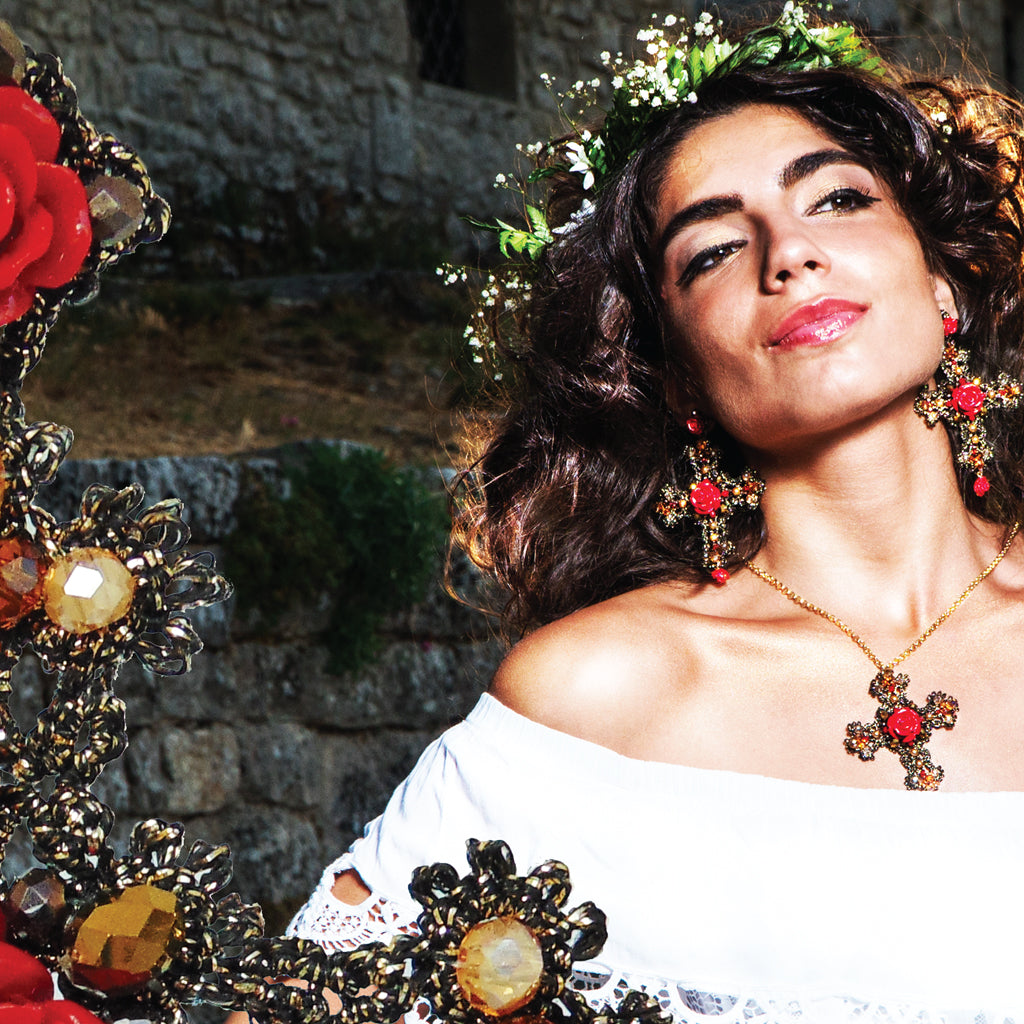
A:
<point x="817" y="323"/>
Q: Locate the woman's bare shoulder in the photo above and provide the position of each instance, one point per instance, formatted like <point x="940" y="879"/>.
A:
<point x="585" y="674"/>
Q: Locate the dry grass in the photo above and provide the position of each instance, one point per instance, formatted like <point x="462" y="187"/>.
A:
<point x="168" y="369"/>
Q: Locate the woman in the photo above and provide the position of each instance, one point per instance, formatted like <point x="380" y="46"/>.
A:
<point x="728" y="531"/>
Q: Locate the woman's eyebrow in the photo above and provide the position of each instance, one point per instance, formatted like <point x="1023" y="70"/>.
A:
<point x="707" y="209"/>
<point x="803" y="166"/>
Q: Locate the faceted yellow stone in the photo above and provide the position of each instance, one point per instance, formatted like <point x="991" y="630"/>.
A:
<point x="500" y="965"/>
<point x="88" y="589"/>
<point x="122" y="944"/>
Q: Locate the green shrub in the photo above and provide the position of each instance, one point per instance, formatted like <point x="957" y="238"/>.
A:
<point x="354" y="529"/>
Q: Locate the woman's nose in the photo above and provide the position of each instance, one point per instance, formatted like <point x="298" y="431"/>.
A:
<point x="790" y="251"/>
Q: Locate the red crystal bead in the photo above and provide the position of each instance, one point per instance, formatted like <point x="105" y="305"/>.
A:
<point x="23" y="568"/>
<point x="694" y="425"/>
<point x="950" y="325"/>
<point x="720" y="575"/>
<point x="981" y="486"/>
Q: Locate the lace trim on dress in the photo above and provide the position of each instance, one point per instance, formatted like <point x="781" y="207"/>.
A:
<point x="336" y="926"/>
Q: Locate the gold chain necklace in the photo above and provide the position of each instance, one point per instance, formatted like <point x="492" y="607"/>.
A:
<point x="900" y="725"/>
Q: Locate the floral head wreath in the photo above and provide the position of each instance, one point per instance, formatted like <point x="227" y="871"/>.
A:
<point x="679" y="61"/>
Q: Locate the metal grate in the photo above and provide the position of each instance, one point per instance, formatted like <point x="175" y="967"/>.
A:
<point x="439" y="28"/>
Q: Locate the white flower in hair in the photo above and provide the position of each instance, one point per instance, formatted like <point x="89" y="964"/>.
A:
<point x="586" y="210"/>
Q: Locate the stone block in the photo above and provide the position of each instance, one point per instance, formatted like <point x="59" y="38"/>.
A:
<point x="183" y="771"/>
<point x="30" y="691"/>
<point x="443" y="617"/>
<point x="412" y="685"/>
<point x="187" y="51"/>
<point x="208" y="485"/>
<point x="393" y="130"/>
<point x="143" y="42"/>
<point x="112" y="786"/>
<point x="139" y="689"/>
<point x="281" y="764"/>
<point x="259" y="66"/>
<point x="211" y="692"/>
<point x="225" y="53"/>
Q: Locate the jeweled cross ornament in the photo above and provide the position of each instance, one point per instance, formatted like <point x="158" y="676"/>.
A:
<point x="711" y="499"/>
<point x="903" y="727"/>
<point x="900" y="725"/>
<point x="962" y="401"/>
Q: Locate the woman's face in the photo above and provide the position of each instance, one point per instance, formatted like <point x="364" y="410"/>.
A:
<point x="791" y="281"/>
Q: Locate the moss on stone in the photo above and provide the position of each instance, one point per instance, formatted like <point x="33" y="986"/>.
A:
<point x="349" y="530"/>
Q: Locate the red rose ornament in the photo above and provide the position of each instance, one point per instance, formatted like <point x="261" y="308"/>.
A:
<point x="968" y="398"/>
<point x="706" y="498"/>
<point x="45" y="232"/>
<point x="903" y="724"/>
<point x="26" y="993"/>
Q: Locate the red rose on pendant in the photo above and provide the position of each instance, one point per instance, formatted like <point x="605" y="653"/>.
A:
<point x="706" y="498"/>
<point x="45" y="232"/>
<point x="968" y="398"/>
<point x="903" y="724"/>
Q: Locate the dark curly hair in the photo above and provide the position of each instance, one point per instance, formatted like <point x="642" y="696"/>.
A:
<point x="557" y="502"/>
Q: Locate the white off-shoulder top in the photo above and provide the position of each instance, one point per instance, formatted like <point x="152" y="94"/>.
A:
<point x="738" y="898"/>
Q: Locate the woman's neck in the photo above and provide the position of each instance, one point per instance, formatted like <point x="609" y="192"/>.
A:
<point x="871" y="526"/>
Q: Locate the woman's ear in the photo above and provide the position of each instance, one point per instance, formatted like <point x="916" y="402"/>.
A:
<point x="676" y="398"/>
<point x="944" y="295"/>
<point x="679" y="396"/>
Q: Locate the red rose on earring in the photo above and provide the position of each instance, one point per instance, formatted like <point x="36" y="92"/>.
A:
<point x="968" y="398"/>
<point x="903" y="724"/>
<point x="45" y="232"/>
<point x="706" y="498"/>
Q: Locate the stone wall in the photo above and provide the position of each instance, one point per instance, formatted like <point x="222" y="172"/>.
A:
<point x="295" y="123"/>
<point x="260" y="745"/>
<point x="312" y="109"/>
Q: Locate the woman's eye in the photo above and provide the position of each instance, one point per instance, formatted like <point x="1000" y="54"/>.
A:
<point x="844" y="200"/>
<point x="708" y="259"/>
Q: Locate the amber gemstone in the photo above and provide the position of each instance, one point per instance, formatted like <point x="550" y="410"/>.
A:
<point x="23" y="568"/>
<point x="115" y="209"/>
<point x="35" y="909"/>
<point x="122" y="944"/>
<point x="500" y="965"/>
<point x="12" y="54"/>
<point x="88" y="589"/>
